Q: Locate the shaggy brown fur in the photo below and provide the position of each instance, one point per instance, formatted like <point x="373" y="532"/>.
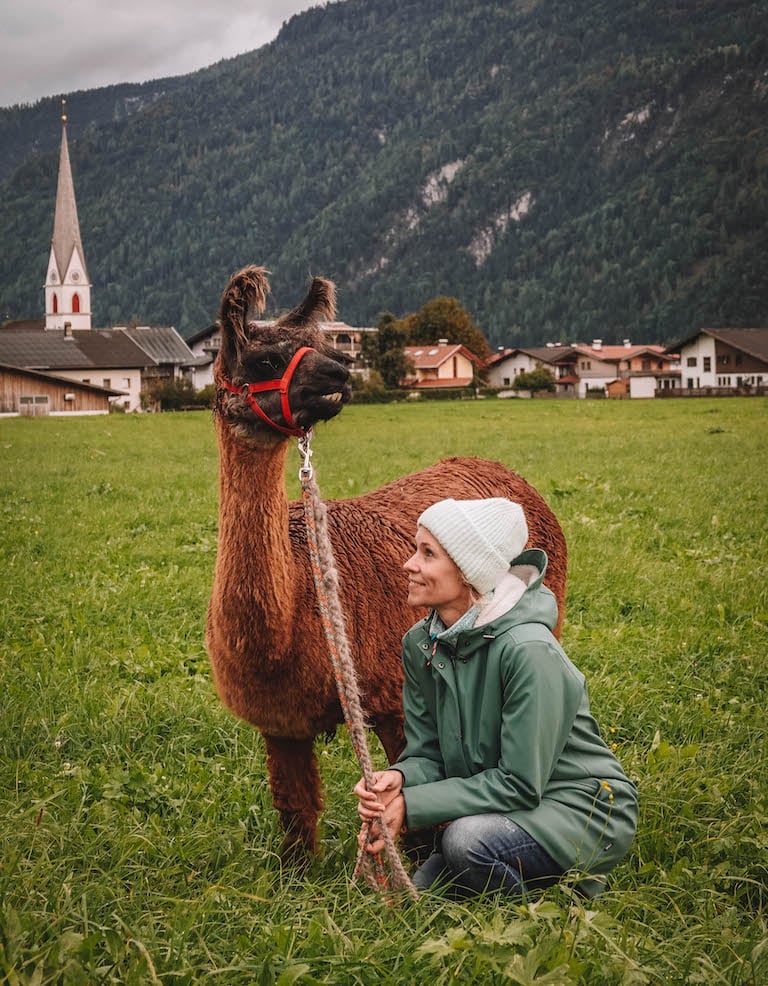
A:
<point x="266" y="644"/>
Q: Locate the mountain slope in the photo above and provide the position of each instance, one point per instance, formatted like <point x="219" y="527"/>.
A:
<point x="567" y="170"/>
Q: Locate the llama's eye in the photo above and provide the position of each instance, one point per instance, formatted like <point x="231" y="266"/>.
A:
<point x="270" y="361"/>
<point x="263" y="365"/>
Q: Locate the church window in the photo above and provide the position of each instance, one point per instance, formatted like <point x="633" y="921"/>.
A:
<point x="76" y="302"/>
<point x="55" y="304"/>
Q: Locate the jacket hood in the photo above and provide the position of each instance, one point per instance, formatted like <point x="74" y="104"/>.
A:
<point x="538" y="603"/>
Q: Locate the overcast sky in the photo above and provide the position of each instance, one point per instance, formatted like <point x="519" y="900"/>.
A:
<point x="48" y="48"/>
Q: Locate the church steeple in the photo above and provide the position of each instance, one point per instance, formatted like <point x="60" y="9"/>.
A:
<point x="67" y="288"/>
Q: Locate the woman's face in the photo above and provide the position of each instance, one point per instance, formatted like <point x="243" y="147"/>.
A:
<point x="434" y="580"/>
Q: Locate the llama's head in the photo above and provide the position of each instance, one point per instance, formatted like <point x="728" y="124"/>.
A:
<point x="303" y="379"/>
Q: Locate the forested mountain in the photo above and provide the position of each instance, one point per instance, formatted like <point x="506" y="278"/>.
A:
<point x="567" y="169"/>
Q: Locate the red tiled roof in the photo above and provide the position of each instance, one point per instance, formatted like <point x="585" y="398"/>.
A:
<point x="430" y="357"/>
<point x="612" y="353"/>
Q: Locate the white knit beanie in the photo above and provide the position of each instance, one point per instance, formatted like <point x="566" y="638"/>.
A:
<point x="481" y="536"/>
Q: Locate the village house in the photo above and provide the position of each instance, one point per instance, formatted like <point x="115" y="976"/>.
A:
<point x="723" y="361"/>
<point x="625" y="370"/>
<point x="507" y="364"/>
<point x="441" y="365"/>
<point x="580" y="370"/>
<point x="124" y="360"/>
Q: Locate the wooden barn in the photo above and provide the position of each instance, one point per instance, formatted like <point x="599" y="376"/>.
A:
<point x="31" y="392"/>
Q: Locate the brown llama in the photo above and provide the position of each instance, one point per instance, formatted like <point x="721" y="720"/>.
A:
<point x="266" y="644"/>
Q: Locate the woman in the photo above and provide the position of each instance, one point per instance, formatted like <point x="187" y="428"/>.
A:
<point x="500" y="743"/>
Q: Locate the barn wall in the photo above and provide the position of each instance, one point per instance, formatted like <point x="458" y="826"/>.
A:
<point x="21" y="394"/>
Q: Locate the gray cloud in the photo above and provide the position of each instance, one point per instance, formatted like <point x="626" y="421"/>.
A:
<point x="48" y="48"/>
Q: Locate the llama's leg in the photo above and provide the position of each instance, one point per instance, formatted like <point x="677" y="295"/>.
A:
<point x="391" y="735"/>
<point x="295" y="783"/>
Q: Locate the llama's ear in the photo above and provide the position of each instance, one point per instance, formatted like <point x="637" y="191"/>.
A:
<point x="248" y="289"/>
<point x="318" y="306"/>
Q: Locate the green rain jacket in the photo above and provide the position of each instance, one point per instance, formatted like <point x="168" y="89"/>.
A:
<point x="500" y="722"/>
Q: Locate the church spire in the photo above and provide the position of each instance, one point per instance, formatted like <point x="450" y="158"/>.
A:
<point x="67" y="288"/>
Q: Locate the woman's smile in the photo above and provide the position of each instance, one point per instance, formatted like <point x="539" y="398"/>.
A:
<point x="435" y="581"/>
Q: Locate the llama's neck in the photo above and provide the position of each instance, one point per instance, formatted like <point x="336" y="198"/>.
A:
<point x="255" y="565"/>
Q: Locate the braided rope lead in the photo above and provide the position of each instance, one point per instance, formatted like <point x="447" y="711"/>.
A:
<point x="326" y="579"/>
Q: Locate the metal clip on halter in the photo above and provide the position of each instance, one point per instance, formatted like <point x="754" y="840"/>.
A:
<point x="305" y="471"/>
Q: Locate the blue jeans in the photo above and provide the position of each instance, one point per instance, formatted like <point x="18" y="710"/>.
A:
<point x="488" y="853"/>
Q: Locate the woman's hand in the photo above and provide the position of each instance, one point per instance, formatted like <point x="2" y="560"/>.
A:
<point x="387" y="785"/>
<point x="371" y="838"/>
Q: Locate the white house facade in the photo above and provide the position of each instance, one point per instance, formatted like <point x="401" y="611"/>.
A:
<point x="508" y="365"/>
<point x="724" y="359"/>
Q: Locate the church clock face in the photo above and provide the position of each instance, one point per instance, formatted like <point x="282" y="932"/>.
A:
<point x="53" y="277"/>
<point x="75" y="275"/>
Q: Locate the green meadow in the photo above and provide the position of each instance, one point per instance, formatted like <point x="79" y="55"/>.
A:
<point x="138" y="841"/>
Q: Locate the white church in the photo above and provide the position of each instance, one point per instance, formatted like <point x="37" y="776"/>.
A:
<point x="61" y="364"/>
<point x="67" y="287"/>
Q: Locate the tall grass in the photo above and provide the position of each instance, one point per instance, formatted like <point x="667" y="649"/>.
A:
<point x="138" y="839"/>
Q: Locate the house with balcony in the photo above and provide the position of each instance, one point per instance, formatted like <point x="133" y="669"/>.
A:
<point x="341" y="337"/>
<point x="723" y="361"/>
<point x="627" y="370"/>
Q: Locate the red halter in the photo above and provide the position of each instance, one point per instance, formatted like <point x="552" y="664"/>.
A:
<point x="282" y="384"/>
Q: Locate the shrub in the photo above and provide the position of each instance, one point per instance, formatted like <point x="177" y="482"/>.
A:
<point x="174" y="395"/>
<point x="540" y="379"/>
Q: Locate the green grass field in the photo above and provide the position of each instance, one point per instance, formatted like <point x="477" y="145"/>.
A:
<point x="138" y="840"/>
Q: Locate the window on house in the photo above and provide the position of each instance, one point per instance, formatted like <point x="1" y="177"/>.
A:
<point x="691" y="361"/>
<point x="86" y="379"/>
<point x="739" y="359"/>
<point x="126" y="383"/>
<point x="506" y="381"/>
<point x="106" y="382"/>
<point x="723" y="360"/>
<point x="646" y="364"/>
<point x="707" y="364"/>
